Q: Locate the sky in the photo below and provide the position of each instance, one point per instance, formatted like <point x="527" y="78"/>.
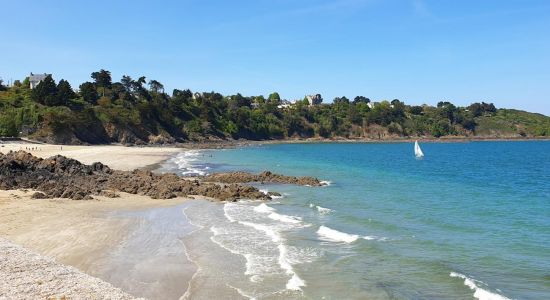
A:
<point x="418" y="51"/>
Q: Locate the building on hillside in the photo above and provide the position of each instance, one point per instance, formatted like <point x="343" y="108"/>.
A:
<point x="314" y="99"/>
<point x="371" y="105"/>
<point x="285" y="104"/>
<point x="34" y="79"/>
<point x="197" y="95"/>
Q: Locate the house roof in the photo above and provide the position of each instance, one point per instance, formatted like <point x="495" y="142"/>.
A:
<point x="37" y="77"/>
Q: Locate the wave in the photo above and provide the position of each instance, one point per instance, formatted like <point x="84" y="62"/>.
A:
<point x="186" y="163"/>
<point x="266" y="192"/>
<point x="263" y="208"/>
<point x="325" y="182"/>
<point x="479" y="293"/>
<point x="332" y="235"/>
<point x="320" y="209"/>
<point x="295" y="282"/>
<point x="284" y="218"/>
<point x="265" y="252"/>
<point x="226" y="214"/>
<point x="241" y="292"/>
<point x="275" y="237"/>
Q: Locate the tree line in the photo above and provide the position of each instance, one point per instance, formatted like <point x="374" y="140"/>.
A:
<point x="183" y="115"/>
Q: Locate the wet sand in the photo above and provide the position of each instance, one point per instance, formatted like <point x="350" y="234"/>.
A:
<point x="131" y="242"/>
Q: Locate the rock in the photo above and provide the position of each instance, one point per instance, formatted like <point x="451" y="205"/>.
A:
<point x="109" y="194"/>
<point x="39" y="195"/>
<point x="266" y="176"/>
<point x="63" y="177"/>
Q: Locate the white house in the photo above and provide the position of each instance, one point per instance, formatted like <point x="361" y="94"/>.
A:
<point x="285" y="104"/>
<point x="35" y="79"/>
<point x="314" y="99"/>
<point x="371" y="105"/>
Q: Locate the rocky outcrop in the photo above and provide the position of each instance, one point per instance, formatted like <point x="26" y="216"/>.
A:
<point x="266" y="176"/>
<point x="61" y="177"/>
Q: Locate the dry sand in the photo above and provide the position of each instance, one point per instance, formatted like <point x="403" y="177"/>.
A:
<point x="116" y="157"/>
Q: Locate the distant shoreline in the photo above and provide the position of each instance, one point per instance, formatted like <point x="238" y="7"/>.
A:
<point x="221" y="144"/>
<point x="241" y="142"/>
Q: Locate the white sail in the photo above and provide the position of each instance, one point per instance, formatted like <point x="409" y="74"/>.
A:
<point x="417" y="151"/>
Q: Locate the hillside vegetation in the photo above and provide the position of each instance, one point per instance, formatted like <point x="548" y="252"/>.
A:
<point x="140" y="111"/>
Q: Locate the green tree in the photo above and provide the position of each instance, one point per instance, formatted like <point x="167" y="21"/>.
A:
<point x="65" y="91"/>
<point x="360" y="99"/>
<point x="46" y="92"/>
<point x="127" y="82"/>
<point x="102" y="79"/>
<point x="2" y="86"/>
<point x="88" y="92"/>
<point x="416" y="110"/>
<point x="274" y="98"/>
<point x="156" y="86"/>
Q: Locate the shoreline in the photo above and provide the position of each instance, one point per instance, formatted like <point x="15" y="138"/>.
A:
<point x="81" y="234"/>
<point x="240" y="143"/>
<point x="93" y="236"/>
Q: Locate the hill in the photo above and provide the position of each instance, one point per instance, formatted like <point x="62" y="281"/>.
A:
<point x="134" y="112"/>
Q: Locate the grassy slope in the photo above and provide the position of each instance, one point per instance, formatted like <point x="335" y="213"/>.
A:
<point x="511" y="122"/>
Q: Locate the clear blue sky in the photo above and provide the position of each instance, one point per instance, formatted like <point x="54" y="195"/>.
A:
<point x="419" y="51"/>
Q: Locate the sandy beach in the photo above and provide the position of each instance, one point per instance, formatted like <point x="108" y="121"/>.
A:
<point x="115" y="156"/>
<point x="86" y="234"/>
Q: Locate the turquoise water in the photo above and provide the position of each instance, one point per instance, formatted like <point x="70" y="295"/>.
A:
<point x="469" y="220"/>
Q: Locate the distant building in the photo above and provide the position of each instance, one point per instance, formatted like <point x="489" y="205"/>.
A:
<point x="197" y="95"/>
<point x="371" y="105"/>
<point x="34" y="79"/>
<point x="314" y="99"/>
<point x="285" y="104"/>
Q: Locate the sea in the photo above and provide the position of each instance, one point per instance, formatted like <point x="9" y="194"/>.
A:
<point x="470" y="220"/>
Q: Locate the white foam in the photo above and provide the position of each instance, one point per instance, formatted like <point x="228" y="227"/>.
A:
<point x="295" y="282"/>
<point x="275" y="237"/>
<point x="320" y="209"/>
<point x="263" y="208"/>
<point x="479" y="293"/>
<point x="323" y="210"/>
<point x="325" y="182"/>
<point x="267" y="254"/>
<point x="226" y="214"/>
<point x="185" y="162"/>
<point x="266" y="192"/>
<point x="241" y="292"/>
<point x="285" y="218"/>
<point x="332" y="235"/>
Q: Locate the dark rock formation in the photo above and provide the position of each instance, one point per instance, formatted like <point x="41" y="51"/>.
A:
<point x="63" y="177"/>
<point x="39" y="195"/>
<point x="266" y="176"/>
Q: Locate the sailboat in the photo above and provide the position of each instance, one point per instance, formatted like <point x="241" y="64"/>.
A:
<point x="417" y="151"/>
